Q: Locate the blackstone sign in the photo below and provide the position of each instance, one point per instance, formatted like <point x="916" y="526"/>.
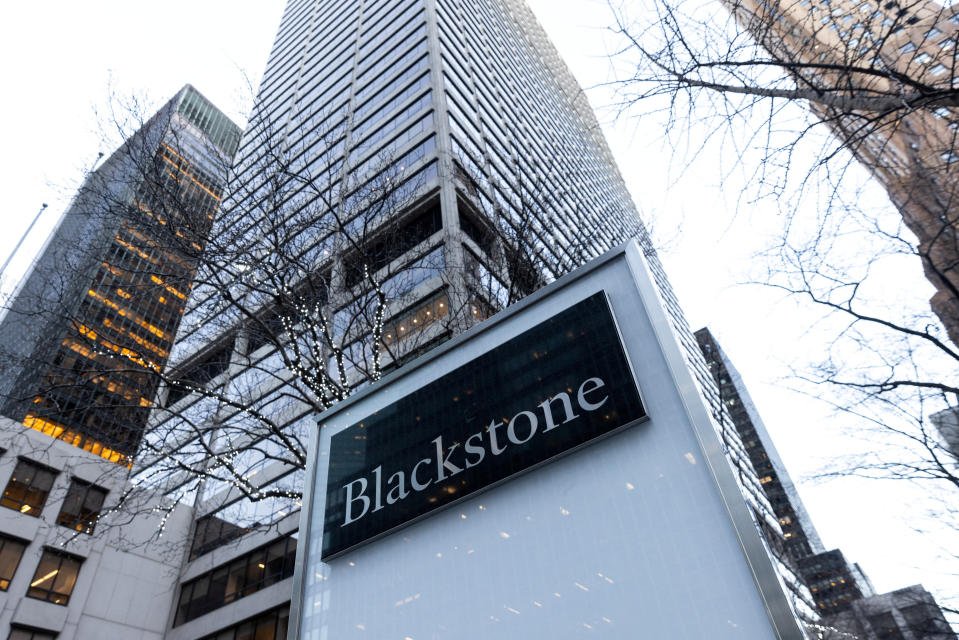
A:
<point x="527" y="520"/>
<point x="557" y="386"/>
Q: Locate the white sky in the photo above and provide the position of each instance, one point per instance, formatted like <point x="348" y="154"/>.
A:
<point x="62" y="58"/>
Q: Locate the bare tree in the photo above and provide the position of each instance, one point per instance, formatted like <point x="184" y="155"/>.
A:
<point x="324" y="268"/>
<point x="801" y="96"/>
<point x="877" y="79"/>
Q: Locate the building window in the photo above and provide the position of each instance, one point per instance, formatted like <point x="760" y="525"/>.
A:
<point x="26" y="633"/>
<point x="82" y="506"/>
<point x="55" y="577"/>
<point x="271" y="625"/>
<point x="243" y="576"/>
<point x="11" y="550"/>
<point x="28" y="488"/>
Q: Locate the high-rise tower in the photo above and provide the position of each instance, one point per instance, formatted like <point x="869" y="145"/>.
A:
<point x="95" y="319"/>
<point x="799" y="534"/>
<point x="411" y="166"/>
<point x="832" y="581"/>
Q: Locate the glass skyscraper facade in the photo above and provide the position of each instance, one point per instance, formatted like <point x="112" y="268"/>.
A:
<point x="96" y="317"/>
<point x="410" y="167"/>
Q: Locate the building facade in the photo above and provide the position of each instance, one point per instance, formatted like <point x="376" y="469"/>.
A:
<point x="881" y="69"/>
<point x="947" y="424"/>
<point x="843" y="595"/>
<point x="73" y="564"/>
<point x="799" y="533"/>
<point x="905" y="614"/>
<point x="411" y="167"/>
<point x="834" y="582"/>
<point x="94" y="321"/>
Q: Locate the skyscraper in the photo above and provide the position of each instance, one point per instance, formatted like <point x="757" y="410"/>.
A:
<point x="833" y="583"/>
<point x="94" y="321"/>
<point x="880" y="70"/>
<point x="410" y="167"/>
<point x="799" y="535"/>
<point x="843" y="594"/>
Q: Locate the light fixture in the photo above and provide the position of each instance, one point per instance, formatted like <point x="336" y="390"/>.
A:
<point x="44" y="578"/>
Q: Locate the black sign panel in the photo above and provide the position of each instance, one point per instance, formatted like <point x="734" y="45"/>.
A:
<point x="545" y="392"/>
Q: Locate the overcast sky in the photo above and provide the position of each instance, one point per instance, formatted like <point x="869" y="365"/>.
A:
<point x="62" y="60"/>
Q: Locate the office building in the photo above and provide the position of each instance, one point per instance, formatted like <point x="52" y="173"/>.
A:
<point x="429" y="163"/>
<point x="799" y="534"/>
<point x="947" y="424"/>
<point x="905" y="614"/>
<point x="72" y="567"/>
<point x="86" y="332"/>
<point x="834" y="583"/>
<point x="903" y="51"/>
<point x="843" y="594"/>
<point x="831" y="581"/>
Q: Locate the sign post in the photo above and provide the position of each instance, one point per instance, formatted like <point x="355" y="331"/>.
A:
<point x="553" y="472"/>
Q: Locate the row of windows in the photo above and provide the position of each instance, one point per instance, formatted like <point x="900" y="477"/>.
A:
<point x="27" y="633"/>
<point x="374" y="66"/>
<point x="534" y="149"/>
<point x="361" y="129"/>
<point x="326" y="36"/>
<point x="240" y="577"/>
<point x="239" y="517"/>
<point x="55" y="575"/>
<point x="387" y="35"/>
<point x="271" y="625"/>
<point x="413" y="66"/>
<point x="30" y="485"/>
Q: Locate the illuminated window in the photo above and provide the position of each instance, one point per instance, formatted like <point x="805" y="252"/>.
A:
<point x="766" y="479"/>
<point x="11" y="550"/>
<point x="26" y="633"/>
<point x="55" y="577"/>
<point x="82" y="506"/>
<point x="28" y="488"/>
